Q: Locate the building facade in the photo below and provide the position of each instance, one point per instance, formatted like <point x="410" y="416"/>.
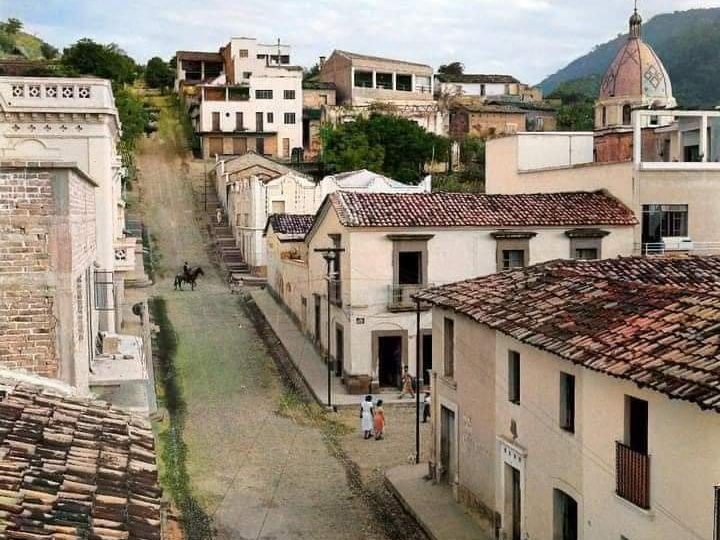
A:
<point x="74" y="120"/>
<point x="558" y="414"/>
<point x="254" y="103"/>
<point x="48" y="242"/>
<point x="397" y="244"/>
<point x="485" y="87"/>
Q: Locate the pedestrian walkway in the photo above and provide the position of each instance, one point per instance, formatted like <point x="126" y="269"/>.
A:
<point x="306" y="359"/>
<point x="433" y="505"/>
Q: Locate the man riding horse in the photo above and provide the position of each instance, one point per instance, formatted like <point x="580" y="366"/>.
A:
<point x="188" y="276"/>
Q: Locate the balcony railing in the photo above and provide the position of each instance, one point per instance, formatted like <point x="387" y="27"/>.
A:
<point x="663" y="248"/>
<point x="633" y="475"/>
<point x="400" y="296"/>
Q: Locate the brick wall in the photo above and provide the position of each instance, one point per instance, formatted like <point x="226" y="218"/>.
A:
<point x="27" y="324"/>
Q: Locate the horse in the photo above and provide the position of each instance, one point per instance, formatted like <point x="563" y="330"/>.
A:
<point x="189" y="277"/>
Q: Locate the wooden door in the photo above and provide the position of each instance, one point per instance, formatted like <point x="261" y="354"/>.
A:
<point x="516" y="509"/>
<point x="239" y="146"/>
<point x="215" y="145"/>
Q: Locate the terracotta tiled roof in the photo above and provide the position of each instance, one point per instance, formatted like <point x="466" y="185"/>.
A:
<point x="653" y="321"/>
<point x="292" y="224"/>
<point x="72" y="468"/>
<point x="477" y="210"/>
<point x="199" y="55"/>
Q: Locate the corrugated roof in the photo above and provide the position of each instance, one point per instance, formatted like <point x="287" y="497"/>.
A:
<point x="653" y="321"/>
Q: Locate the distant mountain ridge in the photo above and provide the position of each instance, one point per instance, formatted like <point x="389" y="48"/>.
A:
<point x="688" y="43"/>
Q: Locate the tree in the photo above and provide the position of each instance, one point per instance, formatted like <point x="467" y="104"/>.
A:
<point x="384" y="143"/>
<point x="312" y="72"/>
<point x="12" y="26"/>
<point x="48" y="51"/>
<point x="107" y="61"/>
<point x="453" y="68"/>
<point x="158" y="73"/>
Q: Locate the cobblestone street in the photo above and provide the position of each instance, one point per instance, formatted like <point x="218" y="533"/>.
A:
<point x="261" y="462"/>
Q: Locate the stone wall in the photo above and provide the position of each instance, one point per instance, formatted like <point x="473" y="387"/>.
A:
<point x="27" y="323"/>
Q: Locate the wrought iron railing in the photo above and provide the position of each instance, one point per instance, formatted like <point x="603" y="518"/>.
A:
<point x="400" y="296"/>
<point x="633" y="475"/>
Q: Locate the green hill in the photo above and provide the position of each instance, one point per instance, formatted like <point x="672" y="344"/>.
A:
<point x="687" y="42"/>
<point x="14" y="43"/>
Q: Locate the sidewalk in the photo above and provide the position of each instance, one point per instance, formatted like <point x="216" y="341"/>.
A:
<point x="306" y="359"/>
<point x="433" y="505"/>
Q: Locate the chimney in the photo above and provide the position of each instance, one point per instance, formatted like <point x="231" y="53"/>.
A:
<point x="322" y="61"/>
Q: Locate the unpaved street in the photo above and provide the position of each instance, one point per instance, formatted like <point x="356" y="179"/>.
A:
<point x="260" y="462"/>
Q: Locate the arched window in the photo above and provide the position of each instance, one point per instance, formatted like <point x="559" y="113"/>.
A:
<point x="627" y="115"/>
<point x="604" y="116"/>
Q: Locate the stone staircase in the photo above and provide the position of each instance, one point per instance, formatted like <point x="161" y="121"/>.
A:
<point x="223" y="240"/>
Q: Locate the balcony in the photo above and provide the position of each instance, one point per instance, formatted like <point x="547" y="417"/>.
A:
<point x="125" y="254"/>
<point x="400" y="297"/>
<point x="678" y="246"/>
<point x="633" y="475"/>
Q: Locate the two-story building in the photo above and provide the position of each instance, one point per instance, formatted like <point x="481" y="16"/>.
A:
<point x="367" y="84"/>
<point x="74" y="120"/>
<point x="254" y="103"/>
<point x="661" y="162"/>
<point x="579" y="399"/>
<point x="397" y="244"/>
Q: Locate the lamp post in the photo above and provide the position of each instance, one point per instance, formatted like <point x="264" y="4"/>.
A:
<point x="330" y="255"/>
<point x="417" y="380"/>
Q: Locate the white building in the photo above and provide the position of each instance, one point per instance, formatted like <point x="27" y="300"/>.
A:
<point x="74" y="120"/>
<point x="397" y="244"/>
<point x="364" y="181"/>
<point x="254" y="104"/>
<point x="251" y="188"/>
<point x="485" y="86"/>
<point x="579" y="399"/>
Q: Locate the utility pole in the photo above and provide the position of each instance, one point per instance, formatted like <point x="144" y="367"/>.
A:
<point x="417" y="380"/>
<point x="330" y="255"/>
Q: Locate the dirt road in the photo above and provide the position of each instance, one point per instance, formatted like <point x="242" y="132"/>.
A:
<point x="259" y="462"/>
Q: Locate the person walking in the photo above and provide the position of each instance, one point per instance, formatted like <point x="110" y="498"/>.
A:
<point x="379" y="420"/>
<point x="366" y="417"/>
<point x="219" y="216"/>
<point x="407" y="384"/>
<point x="426" y="407"/>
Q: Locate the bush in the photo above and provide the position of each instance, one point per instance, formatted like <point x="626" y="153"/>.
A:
<point x="158" y="73"/>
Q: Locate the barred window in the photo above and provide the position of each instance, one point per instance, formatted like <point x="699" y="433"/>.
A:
<point x="263" y="94"/>
<point x="289" y="118"/>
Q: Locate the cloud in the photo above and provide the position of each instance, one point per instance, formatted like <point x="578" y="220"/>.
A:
<point x="527" y="38"/>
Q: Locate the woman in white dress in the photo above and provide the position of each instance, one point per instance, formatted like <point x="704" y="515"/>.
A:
<point x="366" y="417"/>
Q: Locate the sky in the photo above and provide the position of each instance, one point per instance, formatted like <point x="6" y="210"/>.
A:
<point x="529" y="39"/>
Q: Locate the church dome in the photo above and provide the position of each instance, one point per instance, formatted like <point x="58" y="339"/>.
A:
<point x="637" y="73"/>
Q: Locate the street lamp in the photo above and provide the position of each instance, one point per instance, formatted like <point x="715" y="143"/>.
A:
<point x="330" y="255"/>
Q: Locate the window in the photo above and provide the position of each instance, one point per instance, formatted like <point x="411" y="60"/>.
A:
<point x="567" y="402"/>
<point x="239" y="121"/>
<point x="323" y="99"/>
<point x="246" y="74"/>
<point x="79" y="306"/>
<point x="104" y="291"/>
<point x="241" y="93"/>
<point x="422" y="84"/>
<point x="216" y="121"/>
<point x="636" y="424"/>
<point x="262" y="56"/>
<point x="565" y="516"/>
<point x="514" y="377"/>
<point x="410" y="268"/>
<point x="663" y="220"/>
<point x="278" y="207"/>
<point x="263" y="94"/>
<point x="449" y="347"/>
<point x="270" y="118"/>
<point x="363" y="79"/>
<point x="627" y="115"/>
<point x="289" y="118"/>
<point x="716" y="535"/>
<point x="286" y="147"/>
<point x="482" y="90"/>
<point x="289" y="94"/>
<point x="513" y="258"/>
<point x="384" y="80"/>
<point x="213" y="69"/>
<point x="403" y="83"/>
<point x="604" y="116"/>
<point x="586" y="254"/>
<point x="243" y="53"/>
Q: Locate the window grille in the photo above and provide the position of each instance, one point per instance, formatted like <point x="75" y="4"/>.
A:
<point x="104" y="290"/>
